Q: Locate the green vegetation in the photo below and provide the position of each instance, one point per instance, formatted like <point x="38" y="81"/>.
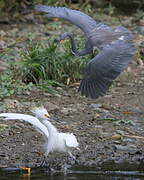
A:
<point x="43" y="65"/>
<point x="45" y="61"/>
<point x="9" y="85"/>
<point x="118" y="121"/>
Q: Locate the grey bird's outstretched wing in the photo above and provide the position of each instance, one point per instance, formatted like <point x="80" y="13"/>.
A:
<point x="83" y="21"/>
<point x="105" y="67"/>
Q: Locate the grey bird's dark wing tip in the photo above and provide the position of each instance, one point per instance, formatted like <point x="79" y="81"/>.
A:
<point x="92" y="89"/>
<point x="106" y="67"/>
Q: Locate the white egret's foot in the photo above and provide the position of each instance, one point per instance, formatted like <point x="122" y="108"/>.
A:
<point x="74" y="158"/>
<point x="28" y="170"/>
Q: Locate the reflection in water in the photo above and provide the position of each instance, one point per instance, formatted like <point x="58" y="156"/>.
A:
<point x="107" y="171"/>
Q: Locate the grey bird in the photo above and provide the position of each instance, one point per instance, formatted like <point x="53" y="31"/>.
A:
<point x="98" y="34"/>
<point x="105" y="67"/>
<point x="115" y="52"/>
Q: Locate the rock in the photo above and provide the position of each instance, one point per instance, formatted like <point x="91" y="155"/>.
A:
<point x="131" y="148"/>
<point x="120" y="132"/>
<point x="3" y="126"/>
<point x="67" y="111"/>
<point x="29" y="17"/>
<point x="3" y="44"/>
<point x="18" y="126"/>
<point x="13" y="104"/>
<point x="104" y="134"/>
<point x="140" y="62"/>
<point x="59" y="88"/>
<point x="2" y="33"/>
<point x="139" y="30"/>
<point x="96" y="106"/>
<point x="50" y="106"/>
<point x="3" y="66"/>
<point x="128" y="140"/>
<point x="116" y="137"/>
<point x="96" y="115"/>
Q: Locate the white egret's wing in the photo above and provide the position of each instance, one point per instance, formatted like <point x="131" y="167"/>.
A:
<point x="27" y="118"/>
<point x="71" y="140"/>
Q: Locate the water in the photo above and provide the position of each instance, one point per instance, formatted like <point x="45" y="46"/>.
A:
<point x="107" y="171"/>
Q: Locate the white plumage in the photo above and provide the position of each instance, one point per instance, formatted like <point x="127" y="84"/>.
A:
<point x="27" y="118"/>
<point x="57" y="141"/>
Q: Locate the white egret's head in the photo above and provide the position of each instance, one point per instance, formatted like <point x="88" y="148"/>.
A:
<point x="40" y="113"/>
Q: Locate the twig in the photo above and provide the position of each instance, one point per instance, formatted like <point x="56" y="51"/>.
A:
<point x="137" y="137"/>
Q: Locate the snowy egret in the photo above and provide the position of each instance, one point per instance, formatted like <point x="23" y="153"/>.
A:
<point x="30" y="119"/>
<point x="56" y="141"/>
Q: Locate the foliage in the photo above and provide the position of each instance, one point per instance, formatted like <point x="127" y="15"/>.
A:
<point x="45" y="61"/>
<point x="9" y="85"/>
<point x="118" y="121"/>
<point x="44" y="64"/>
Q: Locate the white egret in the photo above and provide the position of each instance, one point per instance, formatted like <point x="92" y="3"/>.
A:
<point x="56" y="141"/>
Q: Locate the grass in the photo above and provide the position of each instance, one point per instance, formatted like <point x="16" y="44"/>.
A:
<point x="118" y="121"/>
<point x="43" y="62"/>
<point x="43" y="65"/>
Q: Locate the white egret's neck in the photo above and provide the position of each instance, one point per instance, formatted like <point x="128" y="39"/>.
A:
<point x="51" y="129"/>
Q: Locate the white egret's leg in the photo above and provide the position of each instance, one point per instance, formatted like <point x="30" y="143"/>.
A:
<point x="73" y="157"/>
<point x="44" y="162"/>
<point x="70" y="154"/>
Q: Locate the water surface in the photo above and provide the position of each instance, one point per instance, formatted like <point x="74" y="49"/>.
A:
<point x="107" y="171"/>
